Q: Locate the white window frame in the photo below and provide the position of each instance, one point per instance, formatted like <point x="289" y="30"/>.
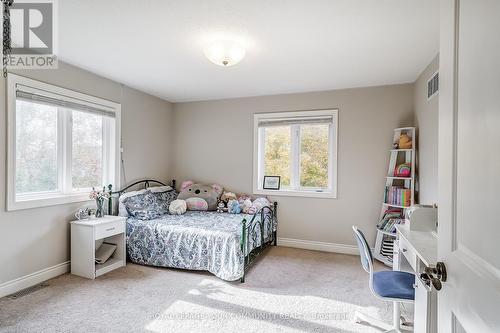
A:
<point x="64" y="195"/>
<point x="258" y="151"/>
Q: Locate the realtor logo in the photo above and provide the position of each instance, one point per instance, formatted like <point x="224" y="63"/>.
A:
<point x="31" y="28"/>
<point x="33" y="34"/>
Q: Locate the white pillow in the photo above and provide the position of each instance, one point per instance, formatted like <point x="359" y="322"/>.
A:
<point x="122" y="211"/>
<point x="156" y="189"/>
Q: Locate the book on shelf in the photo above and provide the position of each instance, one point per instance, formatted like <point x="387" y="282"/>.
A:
<point x="397" y="195"/>
<point x="390" y="219"/>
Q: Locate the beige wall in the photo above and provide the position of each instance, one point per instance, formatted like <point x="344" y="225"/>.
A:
<point x="34" y="239"/>
<point x="213" y="143"/>
<point x="426" y="121"/>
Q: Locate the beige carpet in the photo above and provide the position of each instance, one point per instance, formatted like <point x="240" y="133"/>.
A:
<point x="287" y="290"/>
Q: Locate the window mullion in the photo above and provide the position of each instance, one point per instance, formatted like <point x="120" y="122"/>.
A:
<point x="330" y="156"/>
<point x="107" y="152"/>
<point x="295" y="156"/>
<point x="261" y="156"/>
<point x="66" y="117"/>
<point x="104" y="151"/>
<point x="61" y="148"/>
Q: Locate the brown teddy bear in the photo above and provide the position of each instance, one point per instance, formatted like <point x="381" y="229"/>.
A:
<point x="404" y="142"/>
<point x="226" y="196"/>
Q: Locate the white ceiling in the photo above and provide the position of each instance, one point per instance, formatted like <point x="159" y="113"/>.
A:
<point x="292" y="46"/>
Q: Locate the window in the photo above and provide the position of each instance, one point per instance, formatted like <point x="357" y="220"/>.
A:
<point x="60" y="144"/>
<point x="301" y="148"/>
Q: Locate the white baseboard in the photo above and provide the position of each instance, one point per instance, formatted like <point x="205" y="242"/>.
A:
<point x="318" y="246"/>
<point x="32" y="279"/>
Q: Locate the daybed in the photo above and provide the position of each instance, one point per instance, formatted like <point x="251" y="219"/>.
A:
<point x="221" y="243"/>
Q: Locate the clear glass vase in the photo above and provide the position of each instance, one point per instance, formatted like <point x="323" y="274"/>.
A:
<point x="99" y="201"/>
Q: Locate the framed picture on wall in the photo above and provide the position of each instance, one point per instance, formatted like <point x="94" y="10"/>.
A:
<point x="271" y="183"/>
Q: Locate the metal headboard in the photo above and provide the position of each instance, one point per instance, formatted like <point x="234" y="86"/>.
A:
<point x="146" y="183"/>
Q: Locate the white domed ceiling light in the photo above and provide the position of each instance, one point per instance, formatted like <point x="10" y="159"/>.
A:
<point x="225" y="53"/>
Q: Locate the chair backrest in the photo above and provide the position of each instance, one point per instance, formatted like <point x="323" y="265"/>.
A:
<point x="364" y="250"/>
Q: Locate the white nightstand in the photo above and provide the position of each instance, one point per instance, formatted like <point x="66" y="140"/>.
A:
<point x="85" y="233"/>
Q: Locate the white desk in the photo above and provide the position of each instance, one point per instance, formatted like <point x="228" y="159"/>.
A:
<point x="423" y="243"/>
<point x="419" y="249"/>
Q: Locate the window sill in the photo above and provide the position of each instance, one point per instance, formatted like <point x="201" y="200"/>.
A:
<point x="291" y="193"/>
<point x="34" y="201"/>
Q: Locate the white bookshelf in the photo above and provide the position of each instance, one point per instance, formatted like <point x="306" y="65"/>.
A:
<point x="385" y="240"/>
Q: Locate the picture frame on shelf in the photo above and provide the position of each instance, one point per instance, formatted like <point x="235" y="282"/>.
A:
<point x="271" y="183"/>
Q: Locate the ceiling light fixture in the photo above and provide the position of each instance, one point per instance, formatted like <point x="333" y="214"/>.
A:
<point x="225" y="53"/>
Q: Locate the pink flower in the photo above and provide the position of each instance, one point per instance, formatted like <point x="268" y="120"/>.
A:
<point x="98" y="194"/>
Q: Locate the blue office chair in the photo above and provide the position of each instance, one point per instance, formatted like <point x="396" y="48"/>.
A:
<point x="394" y="286"/>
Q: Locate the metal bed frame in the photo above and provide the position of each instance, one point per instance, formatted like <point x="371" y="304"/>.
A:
<point x="265" y="218"/>
<point x="268" y="217"/>
<point x="145" y="182"/>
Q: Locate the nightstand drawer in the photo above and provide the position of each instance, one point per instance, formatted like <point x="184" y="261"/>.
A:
<point x="109" y="229"/>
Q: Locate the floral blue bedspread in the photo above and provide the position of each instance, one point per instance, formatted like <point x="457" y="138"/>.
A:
<point x="195" y="240"/>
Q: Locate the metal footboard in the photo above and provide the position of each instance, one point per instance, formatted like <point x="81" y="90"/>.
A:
<point x="254" y="232"/>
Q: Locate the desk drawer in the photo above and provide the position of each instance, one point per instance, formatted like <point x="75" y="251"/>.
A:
<point x="109" y="229"/>
<point x="408" y="253"/>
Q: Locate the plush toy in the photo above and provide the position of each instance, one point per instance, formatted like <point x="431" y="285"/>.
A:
<point x="233" y="207"/>
<point x="226" y="196"/>
<point x="200" y="197"/>
<point x="245" y="205"/>
<point x="245" y="202"/>
<point x="177" y="207"/>
<point x="220" y="207"/>
<point x="257" y="204"/>
<point x="404" y="142"/>
<point x="403" y="170"/>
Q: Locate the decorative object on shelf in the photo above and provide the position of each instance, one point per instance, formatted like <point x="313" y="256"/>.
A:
<point x="403" y="170"/>
<point x="399" y="192"/>
<point x="99" y="197"/>
<point x="84" y="213"/>
<point x="405" y="141"/>
<point x="271" y="183"/>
